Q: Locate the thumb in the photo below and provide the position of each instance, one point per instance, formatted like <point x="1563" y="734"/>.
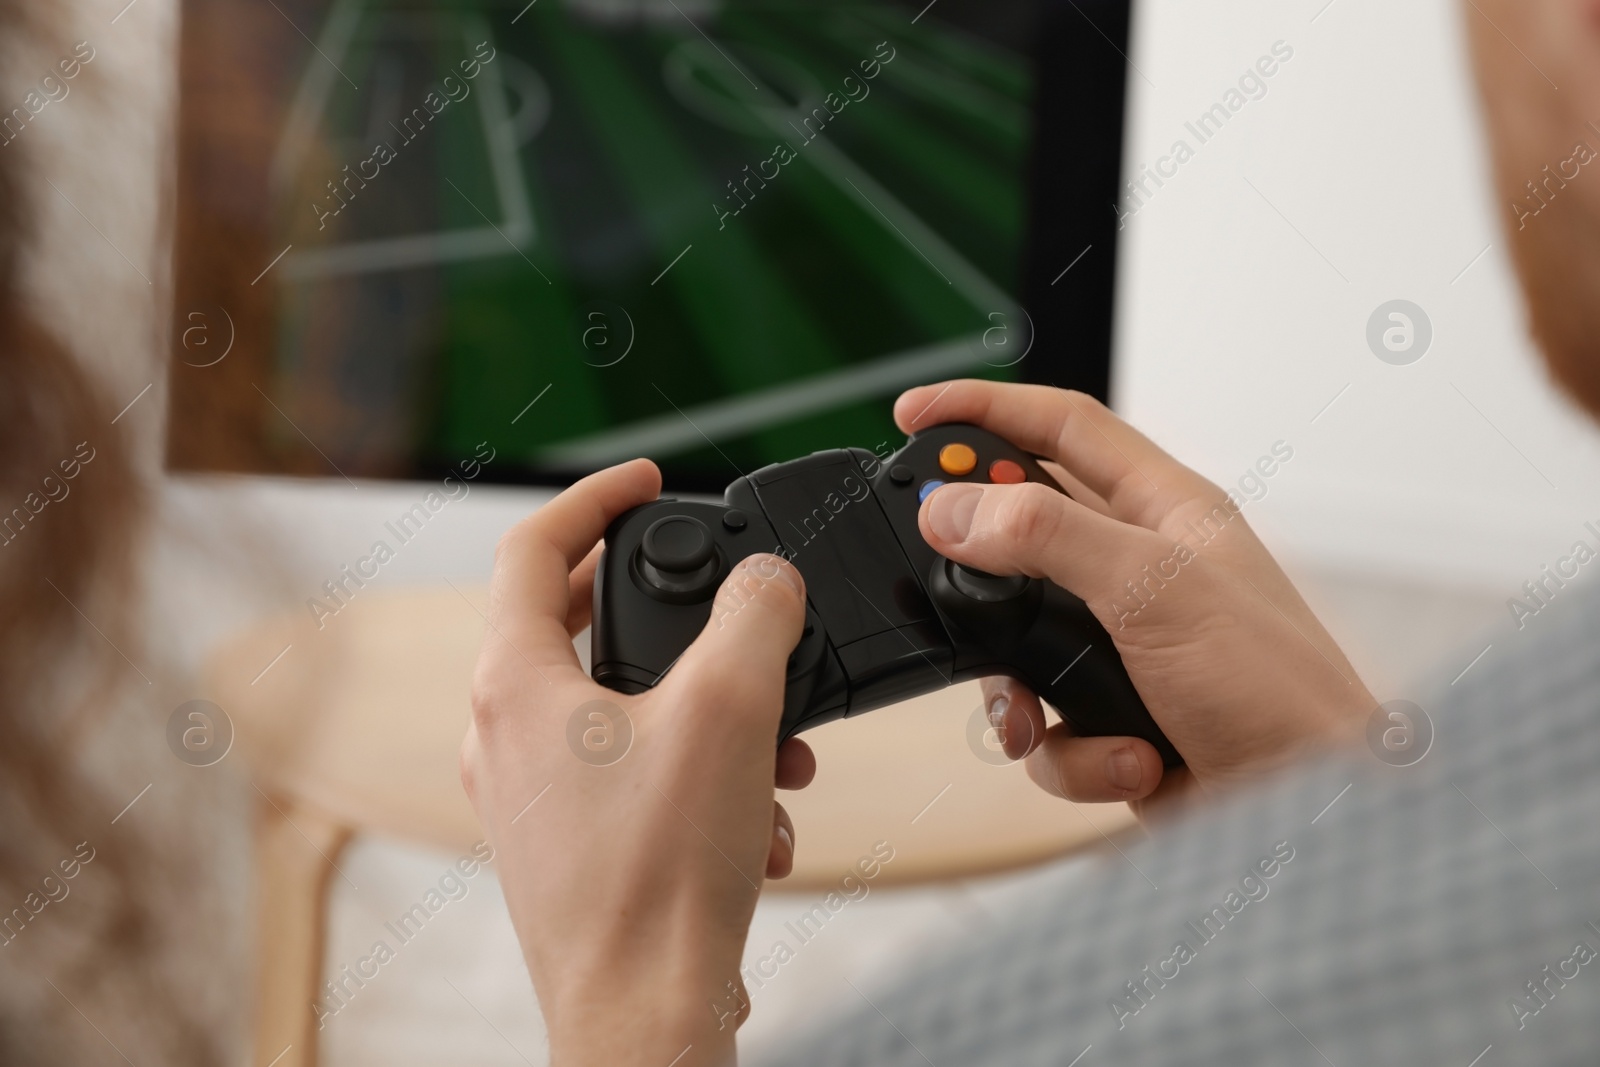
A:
<point x="736" y="668"/>
<point x="1034" y="530"/>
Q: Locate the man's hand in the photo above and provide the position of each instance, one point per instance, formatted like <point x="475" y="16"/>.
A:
<point x="1231" y="662"/>
<point x="631" y="884"/>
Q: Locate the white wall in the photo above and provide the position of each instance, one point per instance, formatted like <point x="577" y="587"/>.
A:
<point x="1235" y="331"/>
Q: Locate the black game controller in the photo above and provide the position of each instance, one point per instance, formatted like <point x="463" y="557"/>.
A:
<point x="888" y="618"/>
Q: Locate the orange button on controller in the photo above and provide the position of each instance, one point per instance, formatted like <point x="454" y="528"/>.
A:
<point x="957" y="459"/>
<point x="1006" y="472"/>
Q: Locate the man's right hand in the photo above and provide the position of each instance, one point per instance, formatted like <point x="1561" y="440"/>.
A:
<point x="1232" y="664"/>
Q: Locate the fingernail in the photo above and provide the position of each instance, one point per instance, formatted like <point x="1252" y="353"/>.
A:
<point x="768" y="567"/>
<point x="1122" y="770"/>
<point x="783" y="832"/>
<point x="951" y="508"/>
<point x="997" y="713"/>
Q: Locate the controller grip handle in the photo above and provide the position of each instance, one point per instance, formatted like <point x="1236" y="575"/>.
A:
<point x="1091" y="689"/>
<point x="1041" y="634"/>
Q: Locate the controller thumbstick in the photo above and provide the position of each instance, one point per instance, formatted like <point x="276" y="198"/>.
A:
<point x="677" y="543"/>
<point x="985" y="587"/>
<point x="678" y="558"/>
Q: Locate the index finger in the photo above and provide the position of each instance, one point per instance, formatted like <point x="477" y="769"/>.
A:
<point x="530" y="593"/>
<point x="1137" y="479"/>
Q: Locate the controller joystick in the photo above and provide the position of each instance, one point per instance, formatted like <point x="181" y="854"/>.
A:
<point x="983" y="586"/>
<point x="887" y="618"/>
<point x="677" y="560"/>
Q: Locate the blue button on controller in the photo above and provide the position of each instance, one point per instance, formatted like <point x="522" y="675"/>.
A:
<point x="927" y="487"/>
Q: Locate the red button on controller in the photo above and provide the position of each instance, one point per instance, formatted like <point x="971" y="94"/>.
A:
<point x="1006" y="472"/>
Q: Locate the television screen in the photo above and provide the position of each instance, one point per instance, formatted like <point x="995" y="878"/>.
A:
<point x="718" y="235"/>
